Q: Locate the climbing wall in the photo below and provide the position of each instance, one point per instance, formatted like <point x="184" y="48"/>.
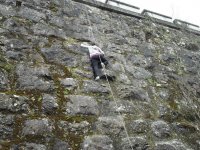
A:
<point x="50" y="101"/>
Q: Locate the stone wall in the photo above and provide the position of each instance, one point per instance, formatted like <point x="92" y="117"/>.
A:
<point x="50" y="101"/>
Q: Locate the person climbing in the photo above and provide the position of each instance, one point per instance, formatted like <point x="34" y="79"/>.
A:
<point x="97" y="59"/>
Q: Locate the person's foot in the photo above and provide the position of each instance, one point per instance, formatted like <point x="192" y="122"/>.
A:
<point x="97" y="78"/>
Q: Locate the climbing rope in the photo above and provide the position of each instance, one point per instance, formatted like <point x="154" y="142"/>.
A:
<point x="91" y="34"/>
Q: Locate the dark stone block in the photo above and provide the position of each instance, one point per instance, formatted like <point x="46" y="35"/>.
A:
<point x="61" y="145"/>
<point x="14" y="103"/>
<point x="49" y="104"/>
<point x="81" y="105"/>
<point x="40" y="127"/>
<point x="97" y="142"/>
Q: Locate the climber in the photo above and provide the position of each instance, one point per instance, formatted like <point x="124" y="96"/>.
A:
<point x="97" y="58"/>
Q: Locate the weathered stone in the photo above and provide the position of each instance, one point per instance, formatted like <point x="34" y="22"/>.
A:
<point x="168" y="58"/>
<point x="140" y="126"/>
<point x="83" y="105"/>
<point x="32" y="146"/>
<point x="10" y="2"/>
<point x="124" y="79"/>
<point x="3" y="31"/>
<point x="6" y="126"/>
<point x="139" y="60"/>
<point x="36" y="3"/>
<point x="118" y="67"/>
<point x="60" y="56"/>
<point x="37" y="78"/>
<point x="84" y="74"/>
<point x="14" y="103"/>
<point x="61" y="145"/>
<point x="156" y="69"/>
<point x="58" y="21"/>
<point x="171" y="145"/>
<point x="192" y="47"/>
<point x="164" y="94"/>
<point x="121" y="106"/>
<point x="161" y="129"/>
<point x="72" y="9"/>
<point x="148" y="49"/>
<point x="94" y="87"/>
<point x="110" y="125"/>
<point x="168" y="114"/>
<point x="69" y="83"/>
<point x="7" y="10"/>
<point x="138" y="72"/>
<point x="97" y="142"/>
<point x="188" y="61"/>
<point x="13" y="55"/>
<point x="184" y="128"/>
<point x="139" y="83"/>
<point x="13" y="26"/>
<point x="31" y="14"/>
<point x="47" y="30"/>
<point x="136" y="143"/>
<point x="4" y="82"/>
<point x="49" y="104"/>
<point x="17" y="44"/>
<point x="133" y="93"/>
<point x="41" y="127"/>
<point x="77" y="128"/>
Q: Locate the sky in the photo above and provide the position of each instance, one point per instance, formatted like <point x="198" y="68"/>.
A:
<point x="186" y="10"/>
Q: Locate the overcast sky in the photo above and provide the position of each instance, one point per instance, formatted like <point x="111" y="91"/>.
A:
<point x="186" y="10"/>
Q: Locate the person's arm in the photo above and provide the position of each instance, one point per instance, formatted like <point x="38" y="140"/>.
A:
<point x="83" y="45"/>
<point x="102" y="52"/>
<point x="85" y="48"/>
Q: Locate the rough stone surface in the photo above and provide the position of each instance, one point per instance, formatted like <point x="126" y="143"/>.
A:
<point x="49" y="104"/>
<point x="6" y="126"/>
<point x="50" y="100"/>
<point x="34" y="78"/>
<point x="138" y="72"/>
<point x="31" y="14"/>
<point x="13" y="103"/>
<point x="32" y="146"/>
<point x="161" y="129"/>
<point x="133" y="93"/>
<point x="140" y="126"/>
<point x="110" y="125"/>
<point x="61" y="145"/>
<point x="46" y="30"/>
<point x="121" y="106"/>
<point x="69" y="83"/>
<point x="94" y="87"/>
<point x="3" y="80"/>
<point x="137" y="143"/>
<point x="98" y="142"/>
<point x="77" y="128"/>
<point x="35" y="127"/>
<point x="171" y="145"/>
<point x="83" y="105"/>
<point x="60" y="56"/>
<point x="7" y="10"/>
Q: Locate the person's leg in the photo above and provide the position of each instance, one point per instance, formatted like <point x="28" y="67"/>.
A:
<point x="95" y="67"/>
<point x="103" y="59"/>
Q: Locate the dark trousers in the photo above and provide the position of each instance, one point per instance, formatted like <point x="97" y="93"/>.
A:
<point x="96" y="64"/>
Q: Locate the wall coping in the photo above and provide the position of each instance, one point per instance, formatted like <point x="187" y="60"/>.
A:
<point x="122" y="11"/>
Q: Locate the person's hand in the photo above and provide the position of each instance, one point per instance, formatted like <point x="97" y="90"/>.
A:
<point x="103" y="65"/>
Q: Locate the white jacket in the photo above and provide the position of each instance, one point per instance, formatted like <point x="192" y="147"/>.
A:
<point x="93" y="50"/>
